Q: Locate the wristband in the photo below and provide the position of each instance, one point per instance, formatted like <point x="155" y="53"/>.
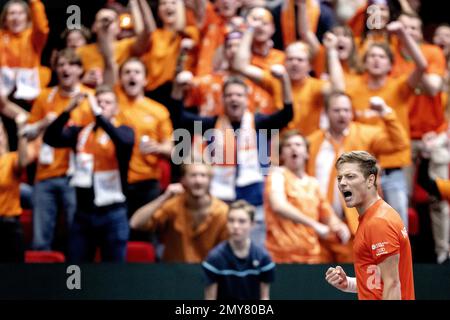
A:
<point x="351" y="285"/>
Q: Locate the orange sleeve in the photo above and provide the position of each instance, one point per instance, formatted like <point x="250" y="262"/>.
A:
<point x="319" y="62"/>
<point x="165" y="129"/>
<point x="444" y="188"/>
<point x="192" y="33"/>
<point x="383" y="239"/>
<point x="160" y="218"/>
<point x="40" y="25"/>
<point x="436" y="60"/>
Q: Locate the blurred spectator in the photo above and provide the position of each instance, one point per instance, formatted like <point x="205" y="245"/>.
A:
<point x="24" y="31"/>
<point x="103" y="151"/>
<point x="52" y="192"/>
<point x="164" y="46"/>
<point x="213" y="30"/>
<point x="12" y="246"/>
<point x="75" y="38"/>
<point x="237" y="268"/>
<point x="107" y="21"/>
<point x="237" y="167"/>
<point x="190" y="221"/>
<point x="297" y="213"/>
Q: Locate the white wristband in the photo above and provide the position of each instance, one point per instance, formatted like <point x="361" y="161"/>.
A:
<point x="351" y="285"/>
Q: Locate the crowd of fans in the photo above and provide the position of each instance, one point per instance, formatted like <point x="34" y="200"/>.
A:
<point x="87" y="135"/>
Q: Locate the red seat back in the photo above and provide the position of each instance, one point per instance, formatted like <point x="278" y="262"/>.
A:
<point x="44" y="257"/>
<point x="139" y="251"/>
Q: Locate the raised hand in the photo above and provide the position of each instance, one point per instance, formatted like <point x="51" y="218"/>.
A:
<point x="337" y="278"/>
<point x="278" y="71"/>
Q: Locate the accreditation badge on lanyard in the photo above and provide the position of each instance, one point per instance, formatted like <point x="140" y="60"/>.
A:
<point x="27" y="83"/>
<point x="84" y="169"/>
<point x="107" y="188"/>
<point x="46" y="154"/>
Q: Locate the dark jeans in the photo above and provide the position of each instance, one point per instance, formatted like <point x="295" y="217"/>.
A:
<point x="106" y="229"/>
<point x="51" y="196"/>
<point x="12" y="246"/>
<point x="138" y="195"/>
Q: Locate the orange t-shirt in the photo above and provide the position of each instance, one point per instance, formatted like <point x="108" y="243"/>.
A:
<point x="24" y="49"/>
<point x="288" y="19"/>
<point x="397" y="94"/>
<point x="307" y="102"/>
<point x="212" y="37"/>
<point x="147" y="118"/>
<point x="50" y="100"/>
<point x="286" y="240"/>
<point x="9" y="185"/>
<point x="381" y="234"/>
<point x="161" y="58"/>
<point x="183" y="242"/>
<point x="207" y="94"/>
<point x="426" y="112"/>
<point x="92" y="58"/>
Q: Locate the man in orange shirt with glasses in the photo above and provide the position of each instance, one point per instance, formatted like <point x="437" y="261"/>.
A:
<point x="382" y="251"/>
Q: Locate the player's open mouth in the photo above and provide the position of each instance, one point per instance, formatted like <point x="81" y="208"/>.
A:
<point x="347" y="195"/>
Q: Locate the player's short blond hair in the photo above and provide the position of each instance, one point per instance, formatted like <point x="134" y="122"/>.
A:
<point x="366" y="162"/>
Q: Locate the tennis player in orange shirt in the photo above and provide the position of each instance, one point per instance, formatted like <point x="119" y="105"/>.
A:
<point x="382" y="251"/>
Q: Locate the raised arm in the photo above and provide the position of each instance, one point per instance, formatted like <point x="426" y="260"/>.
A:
<point x="56" y="134"/>
<point x="413" y="48"/>
<point x="40" y="28"/>
<point x="141" y="218"/>
<point x="180" y="24"/>
<point x="144" y="23"/>
<point x="178" y="115"/>
<point x="279" y="119"/>
<point x="304" y="30"/>
<point x="394" y="137"/>
<point x="242" y="59"/>
<point x="336" y="73"/>
<point x="106" y="44"/>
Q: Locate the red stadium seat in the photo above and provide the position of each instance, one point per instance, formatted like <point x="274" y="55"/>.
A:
<point x="138" y="251"/>
<point x="413" y="222"/>
<point x="26" y="219"/>
<point x="44" y="257"/>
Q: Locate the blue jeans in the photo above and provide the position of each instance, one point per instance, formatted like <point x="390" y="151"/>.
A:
<point x="106" y="229"/>
<point x="51" y="196"/>
<point x="395" y="192"/>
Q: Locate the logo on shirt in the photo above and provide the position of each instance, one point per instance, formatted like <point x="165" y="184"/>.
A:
<point x="255" y="263"/>
<point x="379" y="248"/>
